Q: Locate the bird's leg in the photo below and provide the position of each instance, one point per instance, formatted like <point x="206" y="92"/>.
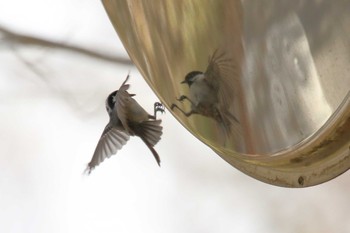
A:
<point x="158" y="107"/>
<point x="185" y="113"/>
<point x="183" y="97"/>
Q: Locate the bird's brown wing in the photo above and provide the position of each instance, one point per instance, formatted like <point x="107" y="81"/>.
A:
<point x="222" y="76"/>
<point x="112" y="140"/>
<point x="213" y="71"/>
<point x="121" y="104"/>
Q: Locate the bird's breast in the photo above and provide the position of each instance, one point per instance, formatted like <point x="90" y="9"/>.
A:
<point x="202" y="94"/>
<point x="135" y="113"/>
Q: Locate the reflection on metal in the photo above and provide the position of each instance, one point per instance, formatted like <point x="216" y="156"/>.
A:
<point x="289" y="77"/>
<point x="211" y="94"/>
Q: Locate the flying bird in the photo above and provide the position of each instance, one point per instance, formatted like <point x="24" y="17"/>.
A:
<point x="126" y="118"/>
<point x="211" y="92"/>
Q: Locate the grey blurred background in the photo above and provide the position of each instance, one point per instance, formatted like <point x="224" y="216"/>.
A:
<point x="58" y="62"/>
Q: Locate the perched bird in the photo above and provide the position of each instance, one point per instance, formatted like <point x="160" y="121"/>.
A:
<point x="126" y="118"/>
<point x="211" y="92"/>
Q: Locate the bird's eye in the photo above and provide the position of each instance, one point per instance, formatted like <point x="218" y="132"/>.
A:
<point x="110" y="100"/>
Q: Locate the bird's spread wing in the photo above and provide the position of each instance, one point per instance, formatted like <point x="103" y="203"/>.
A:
<point x="112" y="140"/>
<point x="213" y="71"/>
<point x="123" y="99"/>
<point x="222" y="76"/>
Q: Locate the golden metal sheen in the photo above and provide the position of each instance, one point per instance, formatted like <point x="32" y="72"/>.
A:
<point x="290" y="77"/>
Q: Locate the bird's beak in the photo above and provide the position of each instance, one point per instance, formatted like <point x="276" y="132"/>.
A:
<point x="183" y="82"/>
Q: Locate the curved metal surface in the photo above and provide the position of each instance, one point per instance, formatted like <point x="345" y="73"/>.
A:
<point x="289" y="79"/>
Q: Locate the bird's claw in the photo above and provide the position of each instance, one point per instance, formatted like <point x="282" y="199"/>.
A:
<point x="159" y="107"/>
<point x="181" y="98"/>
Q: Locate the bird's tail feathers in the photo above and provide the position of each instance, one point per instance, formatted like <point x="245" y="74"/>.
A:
<point x="150" y="133"/>
<point x="154" y="152"/>
<point x="228" y="124"/>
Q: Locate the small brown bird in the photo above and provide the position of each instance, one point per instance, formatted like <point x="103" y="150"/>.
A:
<point x="211" y="92"/>
<point x="126" y="118"/>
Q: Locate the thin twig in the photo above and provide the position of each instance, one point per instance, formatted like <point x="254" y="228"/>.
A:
<point x="28" y="40"/>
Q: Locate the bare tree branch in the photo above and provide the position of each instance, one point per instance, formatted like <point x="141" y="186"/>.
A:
<point x="23" y="39"/>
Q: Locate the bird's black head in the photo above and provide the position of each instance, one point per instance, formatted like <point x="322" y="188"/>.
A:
<point x="110" y="101"/>
<point x="190" y="77"/>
